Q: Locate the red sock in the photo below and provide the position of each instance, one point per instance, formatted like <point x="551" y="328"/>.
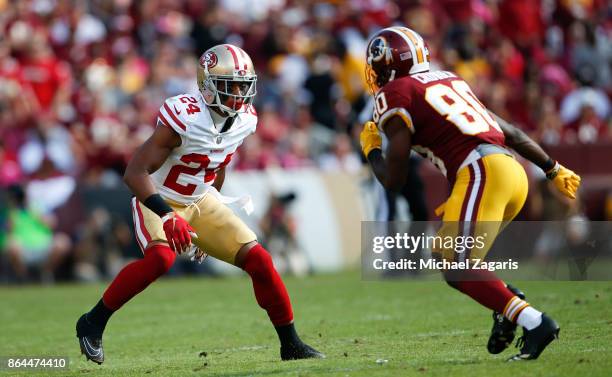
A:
<point x="136" y="276"/>
<point x="270" y="290"/>
<point x="481" y="285"/>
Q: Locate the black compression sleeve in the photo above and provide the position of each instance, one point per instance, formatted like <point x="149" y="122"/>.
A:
<point x="157" y="204"/>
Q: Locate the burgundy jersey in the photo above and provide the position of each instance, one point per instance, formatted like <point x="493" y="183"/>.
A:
<point x="446" y="119"/>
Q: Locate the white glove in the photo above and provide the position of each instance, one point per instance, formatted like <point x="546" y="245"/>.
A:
<point x="196" y="254"/>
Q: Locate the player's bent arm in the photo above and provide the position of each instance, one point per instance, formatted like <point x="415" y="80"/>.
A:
<point x="219" y="179"/>
<point x="524" y="145"/>
<point x="565" y="180"/>
<point x="392" y="170"/>
<point x="147" y="159"/>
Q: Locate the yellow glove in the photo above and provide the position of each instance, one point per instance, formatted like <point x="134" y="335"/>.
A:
<point x="439" y="211"/>
<point x="369" y="138"/>
<point x="565" y="180"/>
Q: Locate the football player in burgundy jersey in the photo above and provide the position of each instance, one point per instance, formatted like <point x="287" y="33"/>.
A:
<point x="436" y="114"/>
<point x="176" y="176"/>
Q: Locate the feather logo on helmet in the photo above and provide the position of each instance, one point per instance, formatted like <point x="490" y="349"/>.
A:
<point x="209" y="60"/>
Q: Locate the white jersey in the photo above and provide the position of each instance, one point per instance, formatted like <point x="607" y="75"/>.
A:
<point x="190" y="169"/>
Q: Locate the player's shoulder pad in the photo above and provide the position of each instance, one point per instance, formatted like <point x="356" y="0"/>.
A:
<point x="179" y="112"/>
<point x="393" y="100"/>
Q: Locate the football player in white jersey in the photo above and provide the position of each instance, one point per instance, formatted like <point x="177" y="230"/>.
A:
<point x="176" y="176"/>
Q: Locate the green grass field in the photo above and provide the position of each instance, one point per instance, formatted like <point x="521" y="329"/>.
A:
<point x="422" y="329"/>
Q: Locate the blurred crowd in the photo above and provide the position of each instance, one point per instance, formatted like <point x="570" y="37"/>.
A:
<point x="81" y="82"/>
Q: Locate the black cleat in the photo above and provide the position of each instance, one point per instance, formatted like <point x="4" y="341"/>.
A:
<point x="534" y="341"/>
<point x="301" y="350"/>
<point x="90" y="340"/>
<point x="503" y="331"/>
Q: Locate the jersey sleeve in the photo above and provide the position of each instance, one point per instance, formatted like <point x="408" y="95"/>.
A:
<point x="392" y="100"/>
<point x="173" y="115"/>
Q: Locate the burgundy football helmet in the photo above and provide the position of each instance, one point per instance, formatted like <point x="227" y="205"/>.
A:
<point x="394" y="52"/>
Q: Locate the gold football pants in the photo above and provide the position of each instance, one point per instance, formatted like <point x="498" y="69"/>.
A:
<point x="487" y="195"/>
<point x="220" y="232"/>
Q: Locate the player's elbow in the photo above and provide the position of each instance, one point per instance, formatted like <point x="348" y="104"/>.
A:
<point x="512" y="134"/>
<point x="127" y="178"/>
<point x="129" y="175"/>
<point x="393" y="184"/>
<point x="511" y="137"/>
<point x="393" y="188"/>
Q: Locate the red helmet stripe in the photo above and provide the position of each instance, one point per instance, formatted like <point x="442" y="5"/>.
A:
<point x="244" y="56"/>
<point x="231" y="49"/>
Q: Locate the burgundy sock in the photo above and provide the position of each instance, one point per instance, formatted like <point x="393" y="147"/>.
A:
<point x="481" y="285"/>
<point x="270" y="290"/>
<point x="136" y="276"/>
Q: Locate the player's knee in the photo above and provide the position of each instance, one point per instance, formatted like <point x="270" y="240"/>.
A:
<point x="258" y="262"/>
<point x="162" y="258"/>
<point x="452" y="278"/>
<point x="165" y="260"/>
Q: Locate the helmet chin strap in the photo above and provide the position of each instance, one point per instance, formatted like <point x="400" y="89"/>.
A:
<point x="228" y="124"/>
<point x="218" y="116"/>
<point x="222" y="120"/>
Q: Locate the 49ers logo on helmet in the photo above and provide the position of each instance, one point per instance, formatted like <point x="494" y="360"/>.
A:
<point x="209" y="60"/>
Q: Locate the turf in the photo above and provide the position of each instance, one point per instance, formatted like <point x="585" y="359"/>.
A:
<point x="420" y="329"/>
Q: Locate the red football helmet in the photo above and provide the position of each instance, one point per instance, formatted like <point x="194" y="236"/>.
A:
<point x="395" y="52"/>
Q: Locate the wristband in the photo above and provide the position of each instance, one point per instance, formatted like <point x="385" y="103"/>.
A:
<point x="552" y="173"/>
<point x="548" y="165"/>
<point x="372" y="151"/>
<point x="158" y="205"/>
<point x="167" y="216"/>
